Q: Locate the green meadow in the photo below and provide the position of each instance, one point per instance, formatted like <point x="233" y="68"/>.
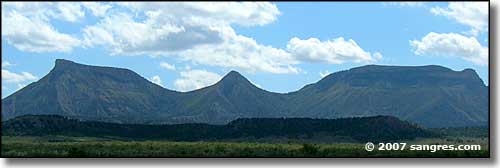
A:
<point x="20" y="146"/>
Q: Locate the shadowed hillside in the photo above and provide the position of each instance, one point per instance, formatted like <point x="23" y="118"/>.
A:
<point x="432" y="96"/>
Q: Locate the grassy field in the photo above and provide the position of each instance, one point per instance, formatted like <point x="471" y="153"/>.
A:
<point x="98" y="147"/>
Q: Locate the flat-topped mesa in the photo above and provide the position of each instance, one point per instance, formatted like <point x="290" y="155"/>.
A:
<point x="421" y="69"/>
<point x="403" y="76"/>
<point x="432" y="96"/>
<point x="62" y="62"/>
<point x="90" y="92"/>
<point x="64" y="66"/>
<point x="398" y="69"/>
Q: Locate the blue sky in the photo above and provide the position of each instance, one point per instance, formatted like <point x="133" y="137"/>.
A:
<point x="280" y="46"/>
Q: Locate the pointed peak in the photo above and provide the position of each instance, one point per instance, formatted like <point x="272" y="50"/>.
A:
<point x="234" y="77"/>
<point x="233" y="74"/>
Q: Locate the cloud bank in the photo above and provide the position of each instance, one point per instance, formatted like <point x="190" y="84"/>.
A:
<point x="196" y="32"/>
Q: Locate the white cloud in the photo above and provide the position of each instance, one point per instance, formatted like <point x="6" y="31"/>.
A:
<point x="65" y="11"/>
<point x="201" y="33"/>
<point x="37" y="10"/>
<point x="70" y="11"/>
<point x="336" y="51"/>
<point x="97" y="8"/>
<point x="27" y="25"/>
<point x="35" y="35"/>
<point x="244" y="53"/>
<point x="122" y="35"/>
<point x="473" y="14"/>
<point x="19" y="79"/>
<point x="167" y="66"/>
<point x="211" y="13"/>
<point x="10" y="77"/>
<point x="453" y="45"/>
<point x="324" y="73"/>
<point x="195" y="79"/>
<point x="171" y="27"/>
<point x="196" y="32"/>
<point x="156" y="80"/>
<point x="6" y="64"/>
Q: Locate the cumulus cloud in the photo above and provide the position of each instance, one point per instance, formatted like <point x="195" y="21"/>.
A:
<point x="174" y="26"/>
<point x="201" y="33"/>
<point x="123" y="35"/>
<point x="30" y="31"/>
<point x="37" y="10"/>
<point x="97" y="9"/>
<point x="472" y="14"/>
<point x="334" y="51"/>
<point x="156" y="80"/>
<point x="19" y="79"/>
<point x="245" y="53"/>
<point x="70" y="11"/>
<point x="197" y="32"/>
<point x="167" y="66"/>
<point x="10" y="77"/>
<point x="242" y="52"/>
<point x="195" y="79"/>
<point x="211" y="13"/>
<point x="451" y="44"/>
<point x="65" y="11"/>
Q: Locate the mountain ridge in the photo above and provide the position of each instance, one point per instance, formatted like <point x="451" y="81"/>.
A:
<point x="123" y="96"/>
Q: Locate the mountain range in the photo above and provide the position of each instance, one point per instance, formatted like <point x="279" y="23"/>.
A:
<point x="432" y="96"/>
